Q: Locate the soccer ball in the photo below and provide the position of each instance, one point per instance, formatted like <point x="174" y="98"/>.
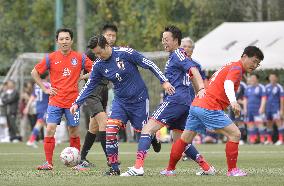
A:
<point x="70" y="156"/>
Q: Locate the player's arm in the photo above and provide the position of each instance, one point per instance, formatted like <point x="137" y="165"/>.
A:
<point x="88" y="88"/>
<point x="36" y="76"/>
<point x="263" y="100"/>
<point x="31" y="99"/>
<point x="230" y="93"/>
<point x="197" y="82"/>
<point x="145" y="63"/>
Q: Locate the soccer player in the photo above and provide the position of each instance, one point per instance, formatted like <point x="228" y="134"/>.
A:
<point x="274" y="108"/>
<point x="131" y="100"/>
<point x="41" y="99"/>
<point x="254" y="109"/>
<point x="207" y="112"/>
<point x="64" y="66"/>
<point x="96" y="105"/>
<point x="181" y="72"/>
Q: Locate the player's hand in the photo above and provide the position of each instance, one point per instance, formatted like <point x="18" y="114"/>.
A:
<point x="261" y="110"/>
<point x="51" y="91"/>
<point x="74" y="108"/>
<point x="236" y="108"/>
<point x="168" y="88"/>
<point x="26" y="111"/>
<point x="201" y="93"/>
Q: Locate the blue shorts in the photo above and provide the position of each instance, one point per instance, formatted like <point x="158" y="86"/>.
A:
<point x="272" y="115"/>
<point x="171" y="114"/>
<point x="54" y="115"/>
<point x="136" y="113"/>
<point x="200" y="119"/>
<point x="41" y="116"/>
<point x="254" y="117"/>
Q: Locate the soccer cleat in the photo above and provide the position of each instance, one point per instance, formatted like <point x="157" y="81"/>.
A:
<point x="132" y="171"/>
<point x="32" y="144"/>
<point x="84" y="165"/>
<point x="236" y="172"/>
<point x="168" y="172"/>
<point x="112" y="172"/>
<point x="45" y="166"/>
<point x="156" y="144"/>
<point x="210" y="172"/>
<point x="241" y="142"/>
<point x="268" y="143"/>
<point x="278" y="143"/>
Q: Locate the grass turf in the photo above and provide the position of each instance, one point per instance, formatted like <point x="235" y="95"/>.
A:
<point x="264" y="164"/>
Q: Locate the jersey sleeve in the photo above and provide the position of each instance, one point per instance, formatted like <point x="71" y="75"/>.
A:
<point x="142" y="61"/>
<point x="88" y="63"/>
<point x="92" y="83"/>
<point x="43" y="65"/>
<point x="234" y="74"/>
<point x="183" y="61"/>
<point x="263" y="90"/>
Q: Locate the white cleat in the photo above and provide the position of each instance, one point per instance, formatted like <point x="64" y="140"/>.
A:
<point x="132" y="171"/>
<point x="278" y="143"/>
<point x="32" y="144"/>
<point x="241" y="142"/>
<point x="210" y="172"/>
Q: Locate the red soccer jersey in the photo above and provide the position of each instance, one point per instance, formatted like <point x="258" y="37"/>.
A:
<point x="64" y="71"/>
<point x="216" y="98"/>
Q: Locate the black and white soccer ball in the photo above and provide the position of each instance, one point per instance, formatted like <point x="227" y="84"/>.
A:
<point x="70" y="156"/>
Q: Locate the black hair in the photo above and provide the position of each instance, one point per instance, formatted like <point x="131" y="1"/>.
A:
<point x="256" y="75"/>
<point x="176" y="32"/>
<point x="91" y="55"/>
<point x="64" y="30"/>
<point x="44" y="75"/>
<point x="98" y="40"/>
<point x="111" y="27"/>
<point x="252" y="51"/>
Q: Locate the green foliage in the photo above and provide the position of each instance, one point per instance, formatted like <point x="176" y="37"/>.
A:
<point x="28" y="26"/>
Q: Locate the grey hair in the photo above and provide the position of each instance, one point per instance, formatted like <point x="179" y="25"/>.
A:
<point x="188" y="39"/>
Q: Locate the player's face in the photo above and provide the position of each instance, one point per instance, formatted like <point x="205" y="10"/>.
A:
<point x="103" y="53"/>
<point x="273" y="78"/>
<point x="110" y="37"/>
<point x="187" y="46"/>
<point x="253" y="80"/>
<point x="250" y="63"/>
<point x="64" y="42"/>
<point x="169" y="43"/>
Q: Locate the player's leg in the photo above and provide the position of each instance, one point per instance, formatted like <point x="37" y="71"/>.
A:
<point x="54" y="115"/>
<point x="73" y="128"/>
<point x="233" y="135"/>
<point x="269" y="128"/>
<point x="117" y="119"/>
<point x="36" y="130"/>
<point x="251" y="128"/>
<point x="280" y="127"/>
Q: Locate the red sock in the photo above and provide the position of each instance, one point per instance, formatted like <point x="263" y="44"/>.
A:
<point x="280" y="137"/>
<point x="75" y="142"/>
<point x="32" y="138"/>
<point x="232" y="150"/>
<point x="177" y="149"/>
<point x="252" y="138"/>
<point x="269" y="138"/>
<point x="262" y="138"/>
<point x="49" y="144"/>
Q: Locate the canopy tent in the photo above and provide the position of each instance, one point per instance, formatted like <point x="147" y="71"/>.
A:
<point x="227" y="42"/>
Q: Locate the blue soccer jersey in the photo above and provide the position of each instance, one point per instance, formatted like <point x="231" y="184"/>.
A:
<point x="122" y="70"/>
<point x="41" y="98"/>
<point x="176" y="71"/>
<point x="254" y="95"/>
<point x="274" y="94"/>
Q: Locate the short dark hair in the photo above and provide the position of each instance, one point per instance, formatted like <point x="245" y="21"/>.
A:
<point x="109" y="26"/>
<point x="91" y="55"/>
<point x="95" y="41"/>
<point x="256" y="75"/>
<point x="176" y="32"/>
<point x="252" y="51"/>
<point x="64" y="30"/>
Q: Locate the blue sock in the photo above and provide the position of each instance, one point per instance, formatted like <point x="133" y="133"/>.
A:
<point x="144" y="142"/>
<point x="191" y="152"/>
<point x="35" y="131"/>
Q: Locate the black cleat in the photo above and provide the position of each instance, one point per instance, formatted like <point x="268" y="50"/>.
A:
<point x="112" y="172"/>
<point x="156" y="144"/>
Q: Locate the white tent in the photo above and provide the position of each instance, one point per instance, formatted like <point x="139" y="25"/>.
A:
<point x="227" y="42"/>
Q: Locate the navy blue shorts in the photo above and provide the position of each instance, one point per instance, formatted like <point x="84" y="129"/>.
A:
<point x="172" y="115"/>
<point x="136" y="113"/>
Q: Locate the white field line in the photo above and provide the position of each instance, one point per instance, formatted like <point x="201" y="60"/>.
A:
<point x="133" y="153"/>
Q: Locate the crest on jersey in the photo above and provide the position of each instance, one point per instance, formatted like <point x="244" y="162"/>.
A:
<point x="74" y="61"/>
<point x="120" y="65"/>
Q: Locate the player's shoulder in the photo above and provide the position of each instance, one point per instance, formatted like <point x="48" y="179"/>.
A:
<point x="243" y="84"/>
<point x="279" y="86"/>
<point x="179" y="54"/>
<point x="268" y="85"/>
<point x="261" y="86"/>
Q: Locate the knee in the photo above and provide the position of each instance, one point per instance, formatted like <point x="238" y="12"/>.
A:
<point x="235" y="136"/>
<point x="113" y="127"/>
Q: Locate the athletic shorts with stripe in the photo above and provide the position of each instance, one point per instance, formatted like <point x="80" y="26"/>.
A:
<point x="172" y="115"/>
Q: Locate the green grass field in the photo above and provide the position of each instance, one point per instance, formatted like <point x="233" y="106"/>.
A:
<point x="265" y="165"/>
